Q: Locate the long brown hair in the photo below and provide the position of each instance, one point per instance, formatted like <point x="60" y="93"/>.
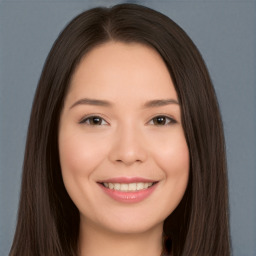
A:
<point x="48" y="220"/>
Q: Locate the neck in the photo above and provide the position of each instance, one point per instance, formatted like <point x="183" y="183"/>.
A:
<point x="94" y="241"/>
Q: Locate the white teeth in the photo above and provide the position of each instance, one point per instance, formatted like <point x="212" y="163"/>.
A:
<point x="128" y="186"/>
<point x="132" y="186"/>
<point x="124" y="187"/>
<point x="140" y="185"/>
<point x="117" y="186"/>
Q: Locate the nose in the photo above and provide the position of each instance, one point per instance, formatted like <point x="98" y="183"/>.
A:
<point x="128" y="147"/>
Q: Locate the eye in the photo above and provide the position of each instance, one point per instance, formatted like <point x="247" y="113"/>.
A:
<point x="93" y="120"/>
<point x="162" y="120"/>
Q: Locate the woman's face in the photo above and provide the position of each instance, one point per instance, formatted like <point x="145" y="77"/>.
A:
<point x="123" y="154"/>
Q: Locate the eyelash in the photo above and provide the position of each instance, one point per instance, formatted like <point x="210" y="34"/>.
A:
<point x="152" y="121"/>
<point x="88" y="118"/>
<point x="166" y="118"/>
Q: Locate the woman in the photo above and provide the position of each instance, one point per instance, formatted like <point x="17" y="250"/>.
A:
<point x="125" y="149"/>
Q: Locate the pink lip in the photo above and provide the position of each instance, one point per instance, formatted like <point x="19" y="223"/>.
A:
<point x="127" y="180"/>
<point x="128" y="197"/>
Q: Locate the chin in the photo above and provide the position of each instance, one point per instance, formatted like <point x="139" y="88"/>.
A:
<point x="129" y="222"/>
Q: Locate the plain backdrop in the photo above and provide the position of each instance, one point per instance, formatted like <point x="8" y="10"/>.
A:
<point x="225" y="33"/>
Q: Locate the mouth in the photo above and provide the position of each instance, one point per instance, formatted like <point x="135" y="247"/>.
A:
<point x="128" y="187"/>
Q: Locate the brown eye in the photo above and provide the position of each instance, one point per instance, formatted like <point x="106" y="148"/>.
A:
<point x="162" y="120"/>
<point x="93" y="120"/>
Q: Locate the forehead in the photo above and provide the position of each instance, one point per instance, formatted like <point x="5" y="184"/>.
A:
<point x="116" y="70"/>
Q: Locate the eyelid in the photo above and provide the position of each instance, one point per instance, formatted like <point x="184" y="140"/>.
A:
<point x="87" y="117"/>
<point x="171" y="120"/>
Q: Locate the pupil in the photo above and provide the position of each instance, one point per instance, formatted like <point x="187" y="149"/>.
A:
<point x="160" y="120"/>
<point x="96" y="120"/>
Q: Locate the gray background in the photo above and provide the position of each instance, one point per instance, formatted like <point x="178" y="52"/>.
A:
<point x="225" y="33"/>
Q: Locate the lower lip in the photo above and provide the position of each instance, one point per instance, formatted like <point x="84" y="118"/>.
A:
<point x="129" y="197"/>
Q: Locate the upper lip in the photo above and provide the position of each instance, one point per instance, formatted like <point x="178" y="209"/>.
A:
<point x="127" y="180"/>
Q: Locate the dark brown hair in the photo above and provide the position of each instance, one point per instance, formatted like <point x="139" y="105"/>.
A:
<point x="48" y="220"/>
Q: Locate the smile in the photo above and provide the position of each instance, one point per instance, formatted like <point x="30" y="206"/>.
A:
<point x="126" y="187"/>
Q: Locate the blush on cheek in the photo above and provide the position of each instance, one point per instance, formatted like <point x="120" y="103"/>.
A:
<point x="174" y="161"/>
<point x="80" y="156"/>
<point x="79" y="162"/>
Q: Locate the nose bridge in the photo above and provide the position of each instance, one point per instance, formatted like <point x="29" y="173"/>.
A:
<point x="128" y="146"/>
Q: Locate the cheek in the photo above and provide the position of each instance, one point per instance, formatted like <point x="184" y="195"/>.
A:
<point x="79" y="157"/>
<point x="172" y="154"/>
<point x="173" y="159"/>
<point x="79" y="154"/>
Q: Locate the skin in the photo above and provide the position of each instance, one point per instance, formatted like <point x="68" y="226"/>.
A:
<point x="127" y="141"/>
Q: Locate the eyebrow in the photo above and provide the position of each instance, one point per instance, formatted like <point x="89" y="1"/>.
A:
<point x="104" y="103"/>
<point x="160" y="103"/>
<point x="93" y="102"/>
